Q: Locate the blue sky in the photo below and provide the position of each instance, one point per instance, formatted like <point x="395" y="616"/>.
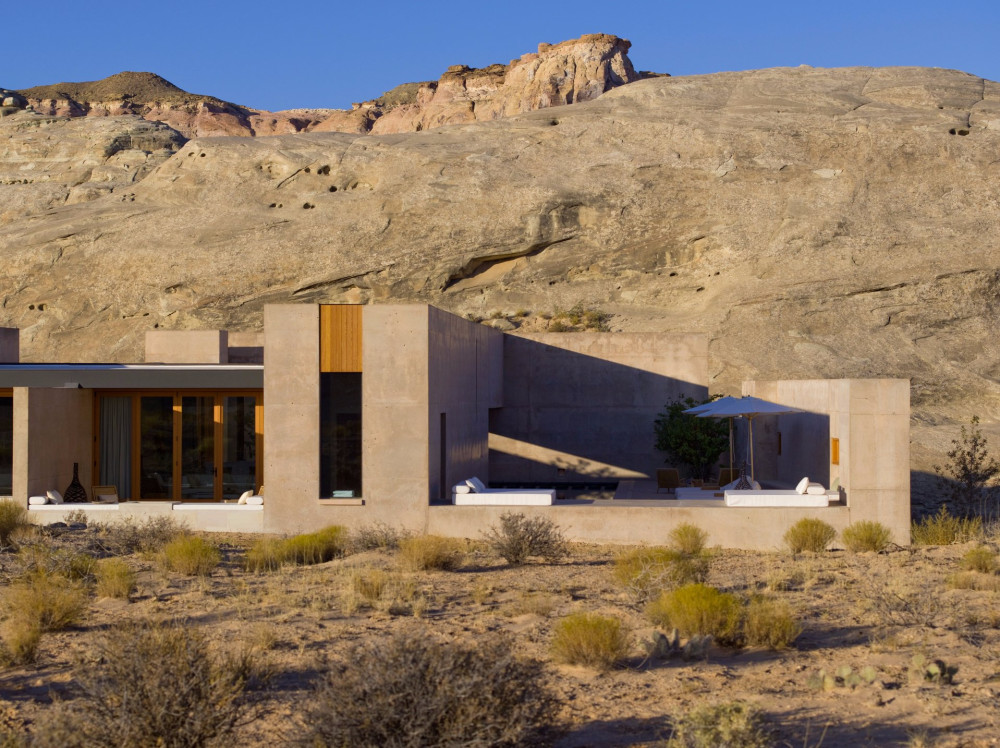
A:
<point x="309" y="53"/>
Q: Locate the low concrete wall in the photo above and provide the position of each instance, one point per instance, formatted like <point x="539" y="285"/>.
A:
<point x="203" y="518"/>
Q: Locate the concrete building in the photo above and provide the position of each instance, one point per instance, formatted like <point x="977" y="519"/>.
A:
<point x="354" y="414"/>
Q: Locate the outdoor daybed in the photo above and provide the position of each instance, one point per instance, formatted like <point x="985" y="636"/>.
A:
<point x="804" y="494"/>
<point x="474" y="492"/>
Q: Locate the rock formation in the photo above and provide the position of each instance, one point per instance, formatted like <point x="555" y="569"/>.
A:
<point x="573" y="71"/>
<point x="814" y="223"/>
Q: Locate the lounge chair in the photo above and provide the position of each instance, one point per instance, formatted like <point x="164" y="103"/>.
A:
<point x="105" y="494"/>
<point x="667" y="479"/>
<point x="474" y="492"/>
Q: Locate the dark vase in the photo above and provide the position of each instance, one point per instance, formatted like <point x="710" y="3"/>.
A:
<point x="75" y="493"/>
<point x="742" y="485"/>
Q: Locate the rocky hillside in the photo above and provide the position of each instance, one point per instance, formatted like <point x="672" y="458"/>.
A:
<point x="573" y="71"/>
<point x="814" y="223"/>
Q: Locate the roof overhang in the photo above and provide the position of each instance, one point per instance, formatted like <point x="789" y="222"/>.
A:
<point x="134" y="376"/>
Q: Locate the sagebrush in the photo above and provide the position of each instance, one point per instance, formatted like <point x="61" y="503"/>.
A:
<point x="429" y="552"/>
<point x="699" y="610"/>
<point x="809" y="534"/>
<point x="518" y="538"/>
<point x="866" y="535"/>
<point x="590" y="639"/>
<point x="734" y="725"/>
<point x="645" y="572"/>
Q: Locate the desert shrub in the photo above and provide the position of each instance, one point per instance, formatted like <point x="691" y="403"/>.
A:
<point x="735" y="725"/>
<point x="43" y="557"/>
<point x="699" y="610"/>
<point x="770" y="623"/>
<point x="644" y="572"/>
<point x="415" y="689"/>
<point x="315" y="547"/>
<point x="13" y="517"/>
<point x="590" y="639"/>
<point x="154" y="685"/>
<point x="20" y="641"/>
<point x="132" y="535"/>
<point x="264" y="555"/>
<point x="944" y="529"/>
<point x="191" y="555"/>
<point x="809" y="535"/>
<point x="51" y="601"/>
<point x="519" y="537"/>
<point x="980" y="559"/>
<point x="425" y="552"/>
<point x="115" y="578"/>
<point x="370" y="584"/>
<point x="967" y="480"/>
<point x="866" y="535"/>
<point x="375" y="537"/>
<point x="688" y="539"/>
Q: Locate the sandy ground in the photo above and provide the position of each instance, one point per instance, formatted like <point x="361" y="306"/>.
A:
<point x="856" y="611"/>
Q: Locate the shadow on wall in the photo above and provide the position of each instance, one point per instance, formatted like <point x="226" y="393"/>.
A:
<point x="568" y="416"/>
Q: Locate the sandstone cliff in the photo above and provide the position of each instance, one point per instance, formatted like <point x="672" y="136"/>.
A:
<point x="814" y="223"/>
<point x="573" y="71"/>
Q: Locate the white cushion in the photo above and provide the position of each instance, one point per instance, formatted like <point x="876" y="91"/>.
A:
<point x="107" y="498"/>
<point x="756" y="485"/>
<point x="254" y="500"/>
<point x="37" y="500"/>
<point x="54" y="496"/>
<point x="244" y="496"/>
<point x="476" y="485"/>
<point x="462" y="488"/>
<point x="815" y="489"/>
<point x="803" y="485"/>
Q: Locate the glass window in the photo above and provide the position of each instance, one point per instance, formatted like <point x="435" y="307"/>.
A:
<point x="239" y="445"/>
<point x="6" y="445"/>
<point x="340" y="435"/>
<point x="156" y="439"/>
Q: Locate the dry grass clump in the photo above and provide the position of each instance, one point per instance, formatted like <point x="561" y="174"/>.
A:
<point x="191" y="555"/>
<point x="375" y="537"/>
<point x="809" y="534"/>
<point x="153" y="685"/>
<point x="52" y="601"/>
<point x="688" y="539"/>
<point x="518" y="537"/>
<point x="944" y="529"/>
<point x="13" y="517"/>
<point x="980" y="559"/>
<point x="644" y="572"/>
<point x="264" y="555"/>
<point x="115" y="578"/>
<point x="315" y="547"/>
<point x="384" y="590"/>
<point x="770" y="623"/>
<point x="415" y="689"/>
<point x="590" y="639"/>
<point x="132" y="535"/>
<point x="43" y="557"/>
<point x="427" y="552"/>
<point x="699" y="610"/>
<point x="735" y="724"/>
<point x="866" y="535"/>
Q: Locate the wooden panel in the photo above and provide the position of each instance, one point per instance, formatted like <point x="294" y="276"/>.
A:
<point x="835" y="451"/>
<point x="340" y="338"/>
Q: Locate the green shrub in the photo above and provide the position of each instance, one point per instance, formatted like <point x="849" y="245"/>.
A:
<point x="866" y="535"/>
<point x="115" y="578"/>
<point x="315" y="547"/>
<point x="426" y="552"/>
<point x="154" y="685"/>
<point x="191" y="555"/>
<point x="414" y="689"/>
<point x="699" y="610"/>
<point x="264" y="555"/>
<point x="644" y="572"/>
<point x="687" y="539"/>
<point x="944" y="529"/>
<point x="733" y="725"/>
<point x="590" y="639"/>
<point x="50" y="601"/>
<point x="13" y="517"/>
<point x="980" y="559"/>
<point x="770" y="623"/>
<point x="519" y="537"/>
<point x="809" y="534"/>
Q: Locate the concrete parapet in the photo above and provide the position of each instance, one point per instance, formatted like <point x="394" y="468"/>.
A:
<point x="187" y="347"/>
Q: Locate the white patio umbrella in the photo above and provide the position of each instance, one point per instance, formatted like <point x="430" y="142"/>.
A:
<point x="743" y="407"/>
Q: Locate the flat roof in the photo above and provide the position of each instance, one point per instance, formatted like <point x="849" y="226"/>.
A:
<point x="134" y="376"/>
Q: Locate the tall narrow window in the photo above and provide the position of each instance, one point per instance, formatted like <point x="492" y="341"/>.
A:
<point x="340" y="435"/>
<point x="116" y="444"/>
<point x="6" y="445"/>
<point x="156" y="443"/>
<point x="239" y="445"/>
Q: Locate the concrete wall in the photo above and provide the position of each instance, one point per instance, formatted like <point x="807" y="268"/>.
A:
<point x="245" y="348"/>
<point x="580" y="406"/>
<point x="871" y="420"/>
<point x="465" y="375"/>
<point x="53" y="428"/>
<point x="187" y="347"/>
<point x="9" y="345"/>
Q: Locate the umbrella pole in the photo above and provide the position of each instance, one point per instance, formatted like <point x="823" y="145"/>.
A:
<point x="752" y="478"/>
<point x="730" y="446"/>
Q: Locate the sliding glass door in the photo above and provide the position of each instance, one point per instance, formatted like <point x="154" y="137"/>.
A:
<point x="178" y="446"/>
